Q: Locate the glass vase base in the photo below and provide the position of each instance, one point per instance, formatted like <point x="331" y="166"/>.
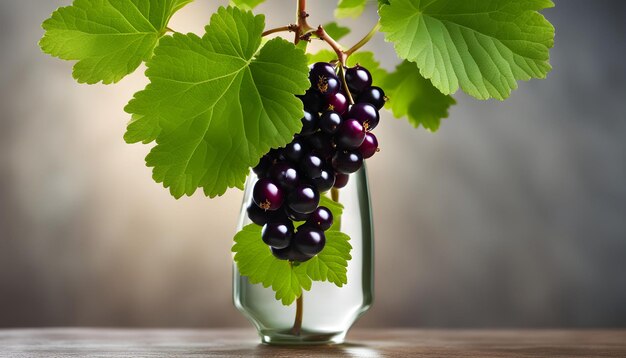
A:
<point x="287" y="337"/>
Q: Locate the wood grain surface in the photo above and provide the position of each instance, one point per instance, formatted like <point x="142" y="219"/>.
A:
<point x="83" y="342"/>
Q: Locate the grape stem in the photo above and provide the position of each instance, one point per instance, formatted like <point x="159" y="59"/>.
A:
<point x="364" y="40"/>
<point x="303" y="27"/>
<point x="297" y="324"/>
<point x="290" y="28"/>
<point x="323" y="35"/>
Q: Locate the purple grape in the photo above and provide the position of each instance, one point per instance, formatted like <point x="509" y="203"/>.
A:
<point x="329" y="121"/>
<point x="374" y="96"/>
<point x="321" y="218"/>
<point x="365" y="113"/>
<point x="350" y="134"/>
<point x="265" y="163"/>
<point x="309" y="123"/>
<point x="322" y="145"/>
<point x="290" y="253"/>
<point x="281" y="254"/>
<point x="304" y="199"/>
<point x="277" y="234"/>
<point x="295" y="150"/>
<point x="369" y="146"/>
<point x="267" y="195"/>
<point x="337" y="102"/>
<point x="325" y="181"/>
<point x="327" y="85"/>
<point x="313" y="101"/>
<point x="285" y="175"/>
<point x="341" y="180"/>
<point x="309" y="240"/>
<point x="321" y="69"/>
<point x="258" y="215"/>
<point x="294" y="215"/>
<point x="347" y="162"/>
<point x="311" y="166"/>
<point x="358" y="79"/>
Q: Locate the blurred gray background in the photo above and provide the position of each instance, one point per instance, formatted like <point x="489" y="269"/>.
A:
<point x="513" y="214"/>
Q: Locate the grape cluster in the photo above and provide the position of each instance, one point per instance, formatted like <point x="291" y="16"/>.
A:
<point x="334" y="140"/>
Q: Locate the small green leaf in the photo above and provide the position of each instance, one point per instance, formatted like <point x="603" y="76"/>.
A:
<point x="335" y="31"/>
<point x="216" y="104"/>
<point x="332" y="263"/>
<point x="246" y="4"/>
<point x="415" y="97"/>
<point x="109" y="39"/>
<point x="350" y="8"/>
<point x="255" y="260"/>
<point x="484" y="47"/>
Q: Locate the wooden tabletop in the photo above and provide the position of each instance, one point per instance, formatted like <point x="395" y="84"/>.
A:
<point x="82" y="342"/>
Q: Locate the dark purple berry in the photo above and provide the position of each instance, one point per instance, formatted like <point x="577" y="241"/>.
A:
<point x="281" y="254"/>
<point x="313" y="101"/>
<point x="358" y="79"/>
<point x="365" y="113"/>
<point x="309" y="240"/>
<point x="322" y="145"/>
<point x="329" y="121"/>
<point x="290" y="253"/>
<point x="325" y="181"/>
<point x="294" y="215"/>
<point x="265" y="163"/>
<point x="341" y="180"/>
<point x="277" y="234"/>
<point x="267" y="195"/>
<point x="258" y="215"/>
<point x="311" y="166"/>
<point x="321" y="69"/>
<point x="337" y="102"/>
<point x="295" y="150"/>
<point x="309" y="123"/>
<point x="369" y="146"/>
<point x="350" y="134"/>
<point x="285" y="175"/>
<point x="374" y="96"/>
<point x="304" y="199"/>
<point x="321" y="218"/>
<point x="326" y="85"/>
<point x="347" y="162"/>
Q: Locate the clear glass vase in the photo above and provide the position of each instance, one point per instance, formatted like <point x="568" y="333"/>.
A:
<point x="328" y="311"/>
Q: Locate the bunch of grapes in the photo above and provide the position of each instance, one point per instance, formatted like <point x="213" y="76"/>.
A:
<point x="334" y="141"/>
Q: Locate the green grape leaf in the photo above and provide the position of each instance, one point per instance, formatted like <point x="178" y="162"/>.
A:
<point x="350" y="8"/>
<point x="216" y="104"/>
<point x="483" y="47"/>
<point x="246" y="4"/>
<point x="415" y="97"/>
<point x="109" y="39"/>
<point x="336" y="31"/>
<point x="255" y="260"/>
<point x="332" y="263"/>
